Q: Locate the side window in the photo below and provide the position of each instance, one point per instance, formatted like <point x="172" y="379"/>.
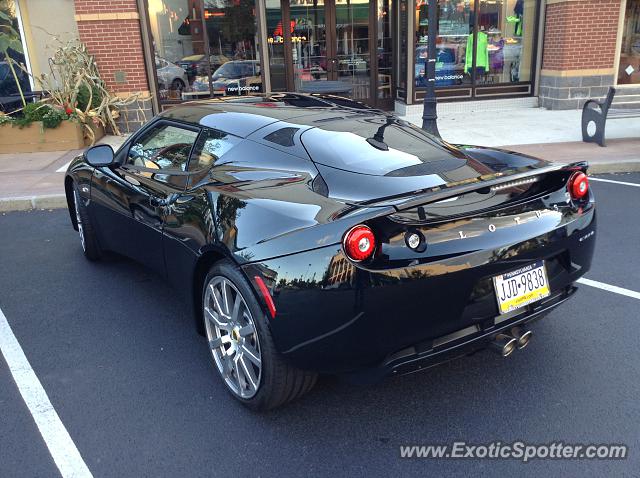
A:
<point x="164" y="147"/>
<point x="211" y="146"/>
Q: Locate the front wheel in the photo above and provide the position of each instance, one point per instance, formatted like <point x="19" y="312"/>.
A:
<point x="241" y="345"/>
<point x="88" y="239"/>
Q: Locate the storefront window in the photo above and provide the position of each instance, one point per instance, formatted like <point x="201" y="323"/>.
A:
<point x="178" y="40"/>
<point x="505" y="41"/>
<point x="496" y="50"/>
<point x="455" y="27"/>
<point x="205" y="48"/>
<point x="275" y="45"/>
<point x="9" y="92"/>
<point x="233" y="46"/>
<point x="629" y="69"/>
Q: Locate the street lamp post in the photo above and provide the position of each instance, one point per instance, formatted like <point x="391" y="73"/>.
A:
<point x="429" y="111"/>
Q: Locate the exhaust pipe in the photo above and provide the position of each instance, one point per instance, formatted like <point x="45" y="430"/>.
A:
<point x="504" y="344"/>
<point x="522" y="336"/>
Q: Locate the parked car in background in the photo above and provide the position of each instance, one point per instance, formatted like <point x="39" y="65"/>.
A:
<point x="196" y="65"/>
<point x="170" y="76"/>
<point x="237" y="77"/>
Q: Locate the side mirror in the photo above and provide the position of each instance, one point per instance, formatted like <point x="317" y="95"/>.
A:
<point x="100" y="156"/>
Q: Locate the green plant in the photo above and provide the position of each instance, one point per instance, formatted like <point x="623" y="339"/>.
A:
<point x="5" y="118"/>
<point x="88" y="99"/>
<point x="50" y="116"/>
<point x="53" y="118"/>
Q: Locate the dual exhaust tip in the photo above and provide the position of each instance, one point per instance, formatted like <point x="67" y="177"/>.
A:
<point x="506" y="344"/>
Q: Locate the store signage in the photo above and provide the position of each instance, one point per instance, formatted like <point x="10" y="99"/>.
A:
<point x="449" y="77"/>
<point x="280" y="39"/>
<point x="235" y="89"/>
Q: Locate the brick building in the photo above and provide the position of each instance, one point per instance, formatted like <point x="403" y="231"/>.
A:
<point x="551" y="53"/>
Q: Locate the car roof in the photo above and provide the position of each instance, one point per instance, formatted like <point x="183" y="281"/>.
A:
<point x="193" y="57"/>
<point x="244" y="115"/>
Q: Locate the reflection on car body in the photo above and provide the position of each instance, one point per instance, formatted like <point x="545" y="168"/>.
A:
<point x="312" y="234"/>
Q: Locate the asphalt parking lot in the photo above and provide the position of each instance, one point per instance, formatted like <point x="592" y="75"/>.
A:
<point x="132" y="382"/>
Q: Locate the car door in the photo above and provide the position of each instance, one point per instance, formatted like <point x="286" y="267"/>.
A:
<point x="190" y="223"/>
<point x="130" y="200"/>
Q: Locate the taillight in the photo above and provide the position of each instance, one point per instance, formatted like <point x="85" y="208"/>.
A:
<point x="578" y="185"/>
<point x="359" y="243"/>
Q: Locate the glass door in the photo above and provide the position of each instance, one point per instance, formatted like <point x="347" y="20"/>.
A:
<point x="309" y="45"/>
<point x="353" y="48"/>
<point x="341" y="47"/>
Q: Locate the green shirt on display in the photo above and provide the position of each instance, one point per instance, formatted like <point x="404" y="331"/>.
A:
<point x="482" y="53"/>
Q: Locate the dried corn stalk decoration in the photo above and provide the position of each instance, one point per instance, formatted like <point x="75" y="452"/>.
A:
<point x="72" y="70"/>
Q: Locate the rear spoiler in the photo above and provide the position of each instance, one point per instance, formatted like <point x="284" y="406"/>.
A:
<point x="439" y="193"/>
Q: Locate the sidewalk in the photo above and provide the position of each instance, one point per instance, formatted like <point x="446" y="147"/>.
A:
<point x="498" y="127"/>
<point x="35" y="180"/>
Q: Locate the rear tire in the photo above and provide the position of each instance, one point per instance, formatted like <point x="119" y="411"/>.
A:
<point x="240" y="334"/>
<point x="88" y="239"/>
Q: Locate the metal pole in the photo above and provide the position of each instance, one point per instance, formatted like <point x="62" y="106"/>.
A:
<point x="429" y="112"/>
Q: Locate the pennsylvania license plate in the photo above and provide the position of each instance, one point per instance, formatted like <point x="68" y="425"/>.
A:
<point x="519" y="288"/>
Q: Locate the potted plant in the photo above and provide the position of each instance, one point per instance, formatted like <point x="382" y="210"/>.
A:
<point x="75" y="110"/>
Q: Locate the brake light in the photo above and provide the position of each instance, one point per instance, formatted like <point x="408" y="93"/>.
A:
<point x="578" y="185"/>
<point x="359" y="243"/>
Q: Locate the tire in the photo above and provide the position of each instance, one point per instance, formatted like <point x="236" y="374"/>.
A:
<point x="87" y="234"/>
<point x="177" y="85"/>
<point x="247" y="337"/>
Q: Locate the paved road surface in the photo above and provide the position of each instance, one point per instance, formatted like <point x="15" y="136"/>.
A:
<point x="132" y="383"/>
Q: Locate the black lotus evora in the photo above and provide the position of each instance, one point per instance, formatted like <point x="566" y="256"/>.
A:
<point x="311" y="234"/>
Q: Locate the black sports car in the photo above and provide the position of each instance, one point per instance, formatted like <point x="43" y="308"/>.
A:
<point x="312" y="234"/>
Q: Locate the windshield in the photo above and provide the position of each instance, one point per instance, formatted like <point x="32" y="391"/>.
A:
<point x="229" y="70"/>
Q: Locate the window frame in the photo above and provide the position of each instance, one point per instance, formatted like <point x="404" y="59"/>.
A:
<point x="204" y="130"/>
<point x="144" y="131"/>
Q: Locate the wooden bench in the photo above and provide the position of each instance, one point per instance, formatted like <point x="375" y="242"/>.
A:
<point x="597" y="112"/>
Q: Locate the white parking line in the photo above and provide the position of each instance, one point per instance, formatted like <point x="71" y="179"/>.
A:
<point x="610" y="288"/>
<point x="63" y="168"/>
<point x="60" y="445"/>
<point x="614" y="182"/>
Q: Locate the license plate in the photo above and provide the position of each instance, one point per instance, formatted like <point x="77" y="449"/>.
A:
<point x="519" y="288"/>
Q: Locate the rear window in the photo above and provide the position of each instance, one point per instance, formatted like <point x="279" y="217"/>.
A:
<point x="410" y="150"/>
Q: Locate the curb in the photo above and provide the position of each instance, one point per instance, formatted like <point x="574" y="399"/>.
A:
<point x="55" y="201"/>
<point x="621" y="166"/>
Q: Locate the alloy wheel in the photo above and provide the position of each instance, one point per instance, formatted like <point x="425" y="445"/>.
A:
<point x="233" y="338"/>
<point x="76" y="200"/>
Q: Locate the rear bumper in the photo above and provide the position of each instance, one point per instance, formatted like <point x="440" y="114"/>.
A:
<point x="464" y="342"/>
<point x="335" y="317"/>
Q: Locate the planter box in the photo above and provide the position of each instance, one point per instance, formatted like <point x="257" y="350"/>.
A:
<point x="33" y="138"/>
